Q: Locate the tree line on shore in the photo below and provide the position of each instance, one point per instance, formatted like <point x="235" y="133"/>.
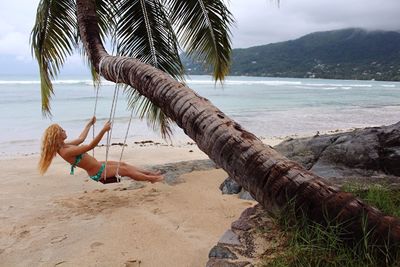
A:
<point x="352" y="54"/>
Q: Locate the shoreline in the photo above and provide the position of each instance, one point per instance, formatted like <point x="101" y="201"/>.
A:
<point x="181" y="142"/>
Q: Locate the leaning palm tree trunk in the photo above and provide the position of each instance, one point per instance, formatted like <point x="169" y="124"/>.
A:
<point x="272" y="179"/>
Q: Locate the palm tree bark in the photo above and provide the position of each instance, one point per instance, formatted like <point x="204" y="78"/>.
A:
<point x="272" y="179"/>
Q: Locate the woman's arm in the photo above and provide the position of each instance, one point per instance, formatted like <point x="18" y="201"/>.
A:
<point x="76" y="150"/>
<point x="84" y="133"/>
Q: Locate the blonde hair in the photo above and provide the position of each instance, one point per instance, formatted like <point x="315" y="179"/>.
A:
<point x="50" y="145"/>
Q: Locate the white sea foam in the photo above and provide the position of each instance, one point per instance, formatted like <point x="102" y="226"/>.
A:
<point x="264" y="106"/>
<point x="19" y="82"/>
<point x="61" y="82"/>
<point x="244" y="82"/>
<point x="338" y="84"/>
<point x="329" y="88"/>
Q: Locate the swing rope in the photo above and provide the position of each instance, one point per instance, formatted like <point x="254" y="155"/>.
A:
<point x="95" y="107"/>
<point x="112" y="119"/>
<point x="123" y="146"/>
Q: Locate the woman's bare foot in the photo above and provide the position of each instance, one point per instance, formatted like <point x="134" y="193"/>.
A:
<point x="156" y="178"/>
<point x="156" y="173"/>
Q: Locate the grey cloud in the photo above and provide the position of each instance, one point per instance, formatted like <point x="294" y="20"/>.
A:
<point x="258" y="21"/>
<point x="261" y="21"/>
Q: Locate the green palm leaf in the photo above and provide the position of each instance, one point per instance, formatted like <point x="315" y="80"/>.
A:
<point x="138" y="28"/>
<point x="145" y="32"/>
<point x="106" y="10"/>
<point x="53" y="38"/>
<point x="203" y="29"/>
<point x="145" y="109"/>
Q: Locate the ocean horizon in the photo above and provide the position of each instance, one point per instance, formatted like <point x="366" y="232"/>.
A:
<point x="267" y="107"/>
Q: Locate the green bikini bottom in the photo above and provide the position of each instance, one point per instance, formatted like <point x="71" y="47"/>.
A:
<point x="97" y="177"/>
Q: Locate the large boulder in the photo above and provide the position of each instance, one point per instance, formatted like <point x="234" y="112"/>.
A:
<point x="373" y="151"/>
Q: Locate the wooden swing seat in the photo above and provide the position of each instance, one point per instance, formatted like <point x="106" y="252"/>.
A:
<point x="110" y="180"/>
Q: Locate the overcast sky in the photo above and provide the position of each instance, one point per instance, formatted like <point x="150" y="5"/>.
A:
<point x="257" y="22"/>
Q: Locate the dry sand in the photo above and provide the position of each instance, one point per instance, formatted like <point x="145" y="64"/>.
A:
<point x="64" y="220"/>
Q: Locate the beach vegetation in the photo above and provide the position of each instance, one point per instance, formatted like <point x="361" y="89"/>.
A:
<point x="310" y="244"/>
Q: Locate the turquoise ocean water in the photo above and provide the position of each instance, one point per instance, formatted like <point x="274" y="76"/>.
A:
<point x="265" y="106"/>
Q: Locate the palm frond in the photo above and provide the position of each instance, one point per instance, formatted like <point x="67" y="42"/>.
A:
<point x="53" y="38"/>
<point x="145" y="109"/>
<point x="145" y="32"/>
<point x="106" y="17"/>
<point x="203" y="29"/>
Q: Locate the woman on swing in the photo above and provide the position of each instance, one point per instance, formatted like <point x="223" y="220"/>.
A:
<point x="76" y="154"/>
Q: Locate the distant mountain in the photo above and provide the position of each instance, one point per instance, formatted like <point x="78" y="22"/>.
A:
<point x="340" y="54"/>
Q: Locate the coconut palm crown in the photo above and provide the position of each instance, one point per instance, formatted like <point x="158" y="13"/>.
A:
<point x="153" y="31"/>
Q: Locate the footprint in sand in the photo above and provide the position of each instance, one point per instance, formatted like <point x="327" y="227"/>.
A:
<point x="132" y="186"/>
<point x="133" y="263"/>
<point x="19" y="232"/>
<point x="23" y="234"/>
<point x="156" y="211"/>
<point x="96" y="244"/>
<point x="100" y="190"/>
<point x="58" y="239"/>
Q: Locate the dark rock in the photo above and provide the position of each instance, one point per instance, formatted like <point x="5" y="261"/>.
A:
<point x="245" y="195"/>
<point x="363" y="152"/>
<point x="225" y="263"/>
<point x="247" y="213"/>
<point x="118" y="144"/>
<point x="258" y="228"/>
<point x="242" y="225"/>
<point x="172" y="171"/>
<point x="230" y="186"/>
<point x="391" y="160"/>
<point x="144" y="142"/>
<point x="221" y="252"/>
<point x="229" y="238"/>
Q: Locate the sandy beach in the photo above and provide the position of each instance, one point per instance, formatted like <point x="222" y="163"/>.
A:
<point x="64" y="220"/>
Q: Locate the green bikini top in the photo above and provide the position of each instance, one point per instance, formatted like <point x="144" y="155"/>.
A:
<point x="77" y="160"/>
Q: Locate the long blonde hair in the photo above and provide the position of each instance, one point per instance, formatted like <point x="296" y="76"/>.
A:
<point x="50" y="145"/>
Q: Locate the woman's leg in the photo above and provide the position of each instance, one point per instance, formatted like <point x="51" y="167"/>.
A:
<point x="135" y="174"/>
<point x="115" y="163"/>
<point x="131" y="172"/>
<point x="149" y="172"/>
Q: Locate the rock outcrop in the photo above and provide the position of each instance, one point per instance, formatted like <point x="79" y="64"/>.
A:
<point x="371" y="152"/>
<point x="363" y="155"/>
<point x="247" y="241"/>
<point x="172" y="171"/>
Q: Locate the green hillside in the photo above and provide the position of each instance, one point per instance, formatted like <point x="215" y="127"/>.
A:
<point x="341" y="54"/>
